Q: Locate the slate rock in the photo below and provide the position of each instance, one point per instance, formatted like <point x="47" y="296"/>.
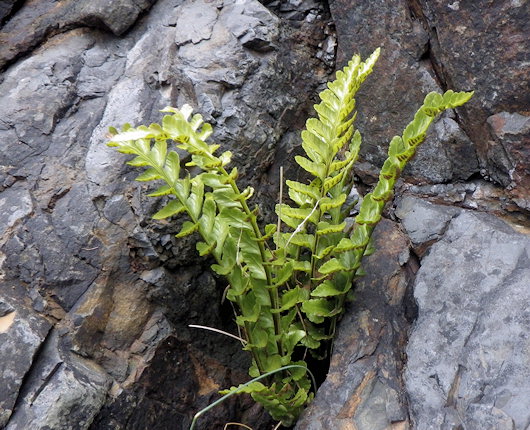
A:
<point x="15" y="204"/>
<point x="30" y="26"/>
<point x="509" y="153"/>
<point x="483" y="46"/>
<point x="195" y="22"/>
<point x="424" y="222"/>
<point x="364" y="388"/>
<point x="467" y="363"/>
<point x="77" y="238"/>
<point x="6" y="7"/>
<point x="22" y="332"/>
<point x="465" y="305"/>
<point x="57" y="386"/>
<point x="401" y="79"/>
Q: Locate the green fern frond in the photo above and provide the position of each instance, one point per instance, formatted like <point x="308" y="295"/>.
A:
<point x="288" y="297"/>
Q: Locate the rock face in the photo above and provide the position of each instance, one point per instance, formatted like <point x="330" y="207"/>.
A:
<point x="22" y="331"/>
<point x="463" y="370"/>
<point x="464" y="364"/>
<point x="405" y="72"/>
<point x="421" y="54"/>
<point x="96" y="298"/>
<point x="364" y="388"/>
<point x="490" y="55"/>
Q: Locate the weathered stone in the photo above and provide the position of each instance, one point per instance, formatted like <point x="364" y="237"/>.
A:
<point x="6" y="8"/>
<point x="402" y="77"/>
<point x="364" y="389"/>
<point x="31" y="25"/>
<point x="22" y="332"/>
<point x="77" y="237"/>
<point x="195" y="21"/>
<point x="424" y="222"/>
<point x="79" y="251"/>
<point x="163" y="399"/>
<point x="58" y="385"/>
<point x="477" y="194"/>
<point x="510" y="153"/>
<point x="15" y="204"/>
<point x="467" y="363"/>
<point x="481" y="46"/>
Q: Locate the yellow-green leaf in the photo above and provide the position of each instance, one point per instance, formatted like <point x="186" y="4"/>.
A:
<point x="164" y="190"/>
<point x="331" y="266"/>
<point x="174" y="207"/>
<point x="204" y="248"/>
<point x="150" y="174"/>
<point x="187" y="228"/>
<point x="326" y="289"/>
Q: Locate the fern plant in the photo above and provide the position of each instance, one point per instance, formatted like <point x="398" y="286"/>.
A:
<point x="288" y="285"/>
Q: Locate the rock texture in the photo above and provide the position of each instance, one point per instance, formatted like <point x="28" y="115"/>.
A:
<point x="421" y="54"/>
<point x="490" y="54"/>
<point x="468" y="365"/>
<point x="96" y="298"/>
<point x="405" y="72"/>
<point x="22" y="331"/>
<point x="364" y="388"/>
<point x="464" y="364"/>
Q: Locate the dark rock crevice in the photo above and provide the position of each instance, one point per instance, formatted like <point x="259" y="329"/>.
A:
<point x="29" y="376"/>
<point x="410" y="306"/>
<point x="428" y="55"/>
<point x="8" y="8"/>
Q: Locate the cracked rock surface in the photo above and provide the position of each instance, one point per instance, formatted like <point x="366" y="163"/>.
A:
<point x="463" y="369"/>
<point x="95" y="298"/>
<point x="436" y="46"/>
<point x="441" y="345"/>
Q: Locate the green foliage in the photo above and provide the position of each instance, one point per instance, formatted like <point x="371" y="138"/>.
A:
<point x="289" y="286"/>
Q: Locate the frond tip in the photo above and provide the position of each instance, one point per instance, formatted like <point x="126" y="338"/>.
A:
<point x="332" y="130"/>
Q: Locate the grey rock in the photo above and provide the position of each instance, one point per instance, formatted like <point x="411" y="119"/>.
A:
<point x="466" y="354"/>
<point x="447" y="155"/>
<point x="56" y="387"/>
<point x="15" y="204"/>
<point x="402" y="77"/>
<point x="254" y="26"/>
<point x="424" y="222"/>
<point x="195" y="21"/>
<point x="482" y="46"/>
<point x="77" y="238"/>
<point x="115" y="16"/>
<point x="459" y="149"/>
<point x="465" y="362"/>
<point x="508" y="153"/>
<point x="30" y="26"/>
<point x="364" y="388"/>
<point x="79" y="251"/>
<point x="6" y="6"/>
<point x="22" y="331"/>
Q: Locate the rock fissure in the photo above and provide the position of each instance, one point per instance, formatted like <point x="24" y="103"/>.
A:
<point x="45" y="383"/>
<point x="27" y="376"/>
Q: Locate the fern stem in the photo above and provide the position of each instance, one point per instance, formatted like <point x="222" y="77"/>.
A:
<point x="280" y="201"/>
<point x="242" y="386"/>
<point x="273" y="292"/>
